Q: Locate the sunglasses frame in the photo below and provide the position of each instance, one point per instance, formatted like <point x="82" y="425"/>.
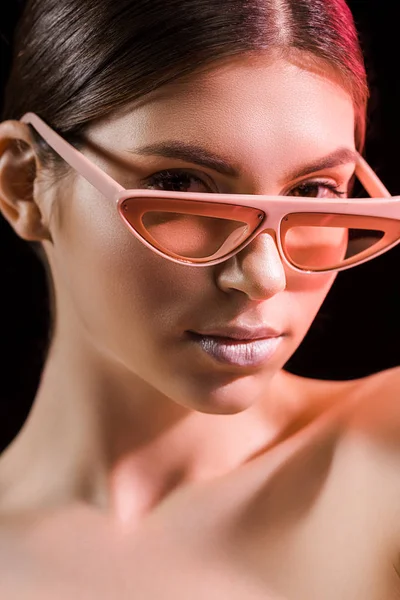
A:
<point x="279" y="209"/>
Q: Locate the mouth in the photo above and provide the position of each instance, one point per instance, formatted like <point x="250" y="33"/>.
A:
<point x="242" y="334"/>
<point x="240" y="346"/>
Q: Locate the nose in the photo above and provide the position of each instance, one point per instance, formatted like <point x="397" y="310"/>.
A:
<point x="257" y="270"/>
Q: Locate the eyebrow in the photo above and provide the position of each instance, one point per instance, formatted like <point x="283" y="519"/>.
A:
<point x="200" y="156"/>
<point x="340" y="156"/>
<point x="189" y="153"/>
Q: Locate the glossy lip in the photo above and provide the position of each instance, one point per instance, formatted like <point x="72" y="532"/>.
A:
<point x="239" y="352"/>
<point x="240" y="333"/>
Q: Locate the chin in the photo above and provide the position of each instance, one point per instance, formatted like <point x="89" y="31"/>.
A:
<point x="228" y="395"/>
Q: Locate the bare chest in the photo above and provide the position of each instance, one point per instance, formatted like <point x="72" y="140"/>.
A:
<point x="312" y="522"/>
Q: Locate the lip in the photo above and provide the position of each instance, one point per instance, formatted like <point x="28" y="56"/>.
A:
<point x="240" y="333"/>
<point x="241" y="348"/>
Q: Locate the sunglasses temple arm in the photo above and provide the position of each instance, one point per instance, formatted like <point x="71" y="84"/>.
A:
<point x="78" y="161"/>
<point x="370" y="180"/>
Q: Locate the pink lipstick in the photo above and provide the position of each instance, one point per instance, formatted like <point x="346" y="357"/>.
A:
<point x="243" y="350"/>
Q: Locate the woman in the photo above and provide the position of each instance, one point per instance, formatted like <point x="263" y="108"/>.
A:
<point x="168" y="454"/>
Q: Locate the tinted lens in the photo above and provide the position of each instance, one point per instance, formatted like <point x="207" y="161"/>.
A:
<point x="193" y="236"/>
<point x="317" y="242"/>
<point x="197" y="231"/>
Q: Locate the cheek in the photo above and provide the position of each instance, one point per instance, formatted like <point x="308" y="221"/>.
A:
<point x="126" y="297"/>
<point x="306" y="293"/>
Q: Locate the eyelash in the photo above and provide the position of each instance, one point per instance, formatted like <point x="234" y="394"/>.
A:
<point x="169" y="174"/>
<point x="332" y="187"/>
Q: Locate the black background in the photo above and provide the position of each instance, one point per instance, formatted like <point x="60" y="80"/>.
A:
<point x="357" y="330"/>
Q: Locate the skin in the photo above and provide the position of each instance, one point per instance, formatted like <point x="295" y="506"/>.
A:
<point x="137" y="424"/>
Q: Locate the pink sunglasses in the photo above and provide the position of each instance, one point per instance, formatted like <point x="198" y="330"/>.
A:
<point x="203" y="229"/>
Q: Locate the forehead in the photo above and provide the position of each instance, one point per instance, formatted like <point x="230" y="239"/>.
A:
<point x="250" y="109"/>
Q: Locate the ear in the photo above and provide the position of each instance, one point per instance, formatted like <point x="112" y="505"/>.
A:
<point x="19" y="166"/>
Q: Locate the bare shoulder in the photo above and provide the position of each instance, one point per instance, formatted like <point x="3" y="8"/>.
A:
<point x="375" y="412"/>
<point x="370" y="431"/>
<point x="371" y="442"/>
<point x="369" y="455"/>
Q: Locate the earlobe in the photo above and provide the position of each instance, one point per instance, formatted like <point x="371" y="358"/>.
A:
<point x="18" y="171"/>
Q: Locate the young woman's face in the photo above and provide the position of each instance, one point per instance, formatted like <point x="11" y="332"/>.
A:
<point x="268" y="120"/>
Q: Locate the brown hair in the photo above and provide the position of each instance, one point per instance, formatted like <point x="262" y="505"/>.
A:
<point x="76" y="60"/>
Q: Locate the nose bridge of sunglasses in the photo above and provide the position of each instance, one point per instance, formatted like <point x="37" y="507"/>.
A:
<point x="271" y="233"/>
<point x="268" y="231"/>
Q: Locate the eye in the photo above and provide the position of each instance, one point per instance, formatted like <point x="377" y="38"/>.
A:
<point x="175" y="180"/>
<point x="317" y="189"/>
